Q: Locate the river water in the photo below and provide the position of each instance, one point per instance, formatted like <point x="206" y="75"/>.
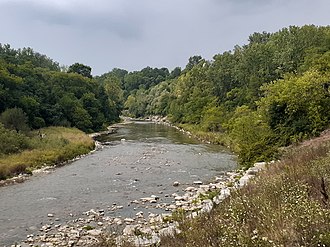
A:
<point x="140" y="160"/>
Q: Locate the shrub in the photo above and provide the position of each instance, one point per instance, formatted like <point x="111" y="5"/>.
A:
<point x="286" y="205"/>
<point x="11" y="141"/>
<point x="15" y="119"/>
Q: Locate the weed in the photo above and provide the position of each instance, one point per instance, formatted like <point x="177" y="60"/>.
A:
<point x="88" y="227"/>
<point x="286" y="205"/>
<point x="58" y="145"/>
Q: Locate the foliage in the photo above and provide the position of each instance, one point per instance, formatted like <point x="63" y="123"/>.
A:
<point x="271" y="92"/>
<point x="251" y="137"/>
<point x="52" y="145"/>
<point x="297" y="106"/>
<point x="81" y="69"/>
<point x="14" y="119"/>
<point x="11" y="141"/>
<point x="27" y="55"/>
<point x="287" y="205"/>
<point x="137" y="103"/>
<point x="51" y="97"/>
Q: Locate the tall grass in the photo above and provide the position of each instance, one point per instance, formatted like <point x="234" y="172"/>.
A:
<point x="213" y="137"/>
<point x="57" y="144"/>
<point x="286" y="205"/>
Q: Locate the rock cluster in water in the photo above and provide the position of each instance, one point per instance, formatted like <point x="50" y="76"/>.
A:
<point x="144" y="228"/>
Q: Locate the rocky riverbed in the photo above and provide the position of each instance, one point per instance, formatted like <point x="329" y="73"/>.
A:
<point x="132" y="187"/>
<point x="145" y="228"/>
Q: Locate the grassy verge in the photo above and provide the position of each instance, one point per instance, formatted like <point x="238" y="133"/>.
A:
<point x="286" y="205"/>
<point x="219" y="138"/>
<point x="58" y="144"/>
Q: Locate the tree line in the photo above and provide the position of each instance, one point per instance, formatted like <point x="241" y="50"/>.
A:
<point x="271" y="92"/>
<point x="36" y="92"/>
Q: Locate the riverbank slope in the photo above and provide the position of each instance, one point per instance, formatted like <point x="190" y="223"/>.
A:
<point x="47" y="146"/>
<point x="285" y="205"/>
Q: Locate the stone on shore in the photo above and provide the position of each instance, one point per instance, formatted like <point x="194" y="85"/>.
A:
<point x="176" y="184"/>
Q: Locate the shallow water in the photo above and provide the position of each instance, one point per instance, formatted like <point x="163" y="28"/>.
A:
<point x="140" y="160"/>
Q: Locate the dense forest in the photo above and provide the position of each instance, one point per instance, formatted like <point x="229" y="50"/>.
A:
<point x="269" y="93"/>
<point x="272" y="92"/>
<point x="35" y="88"/>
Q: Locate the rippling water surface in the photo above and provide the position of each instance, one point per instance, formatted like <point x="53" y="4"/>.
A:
<point x="139" y="160"/>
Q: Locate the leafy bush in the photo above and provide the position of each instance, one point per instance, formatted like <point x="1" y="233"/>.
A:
<point x="11" y="141"/>
<point x="251" y="137"/>
<point x="57" y="145"/>
<point x="15" y="119"/>
<point x="287" y="205"/>
<point x="297" y="106"/>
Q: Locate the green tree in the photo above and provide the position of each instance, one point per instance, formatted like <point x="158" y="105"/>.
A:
<point x="81" y="69"/>
<point x="194" y="60"/>
<point x="175" y="73"/>
<point x="136" y="104"/>
<point x="15" y="119"/>
<point x="297" y="106"/>
<point x="251" y="136"/>
<point x="11" y="141"/>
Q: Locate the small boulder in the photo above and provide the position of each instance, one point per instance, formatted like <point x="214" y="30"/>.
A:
<point x="176" y="184"/>
<point x="94" y="232"/>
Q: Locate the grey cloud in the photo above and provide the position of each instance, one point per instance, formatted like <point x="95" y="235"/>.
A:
<point x="133" y="34"/>
<point x="78" y="18"/>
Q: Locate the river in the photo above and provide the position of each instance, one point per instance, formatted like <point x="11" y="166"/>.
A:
<point x="140" y="160"/>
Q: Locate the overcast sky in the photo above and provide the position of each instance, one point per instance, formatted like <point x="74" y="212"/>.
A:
<point x="133" y="34"/>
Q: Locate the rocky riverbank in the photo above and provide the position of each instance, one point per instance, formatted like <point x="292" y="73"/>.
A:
<point x="45" y="169"/>
<point x="48" y="168"/>
<point x="145" y="228"/>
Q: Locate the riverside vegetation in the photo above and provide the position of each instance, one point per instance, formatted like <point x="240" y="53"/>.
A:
<point x="286" y="205"/>
<point x="57" y="145"/>
<point x="270" y="93"/>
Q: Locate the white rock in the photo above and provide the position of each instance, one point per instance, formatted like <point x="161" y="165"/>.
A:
<point x="172" y="207"/>
<point x="151" y="215"/>
<point x="168" y="231"/>
<point x="245" y="179"/>
<point x="179" y="198"/>
<point x="94" y="232"/>
<point x="205" y="187"/>
<point x="225" y="192"/>
<point x="147" y="199"/>
<point x="190" y="189"/>
<point x="129" y="220"/>
<point x="30" y="239"/>
<point x="129" y="230"/>
<point x="155" y="197"/>
<point x="117" y="221"/>
<point x="139" y="214"/>
<point x="198" y="182"/>
<point x="176" y="184"/>
<point x="207" y="206"/>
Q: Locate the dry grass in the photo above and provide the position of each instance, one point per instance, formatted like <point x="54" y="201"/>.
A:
<point x="58" y="145"/>
<point x="287" y="205"/>
<point x="109" y="240"/>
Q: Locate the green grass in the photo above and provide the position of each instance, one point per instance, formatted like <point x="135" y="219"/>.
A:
<point x="59" y="144"/>
<point x="220" y="138"/>
<point x="287" y="205"/>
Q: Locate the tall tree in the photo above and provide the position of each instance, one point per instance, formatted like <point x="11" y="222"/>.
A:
<point x="81" y="69"/>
